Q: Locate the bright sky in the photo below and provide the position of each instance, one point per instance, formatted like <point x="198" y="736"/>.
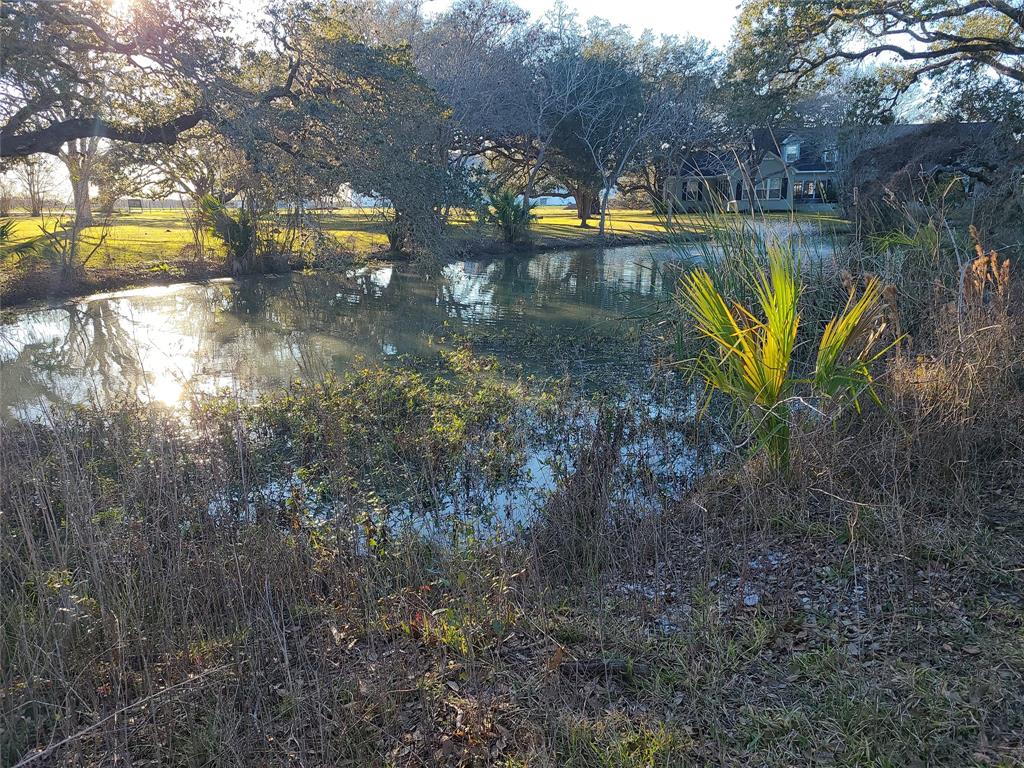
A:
<point x="708" y="19"/>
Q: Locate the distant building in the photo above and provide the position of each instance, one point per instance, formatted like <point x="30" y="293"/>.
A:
<point x="792" y="170"/>
<point x="800" y="169"/>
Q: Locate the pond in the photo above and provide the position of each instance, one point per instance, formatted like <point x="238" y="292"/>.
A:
<point x="262" y="332"/>
<point x="559" y="313"/>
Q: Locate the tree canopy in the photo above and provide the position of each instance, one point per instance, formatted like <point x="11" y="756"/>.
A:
<point x="72" y="69"/>
<point x="968" y="44"/>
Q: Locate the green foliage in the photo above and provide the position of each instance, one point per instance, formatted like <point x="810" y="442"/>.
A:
<point x="10" y="248"/>
<point x="620" y="742"/>
<point x="970" y="47"/>
<point x="510" y="214"/>
<point x="239" y="232"/>
<point x="845" y="351"/>
<point x="750" y="357"/>
<point x="74" y="54"/>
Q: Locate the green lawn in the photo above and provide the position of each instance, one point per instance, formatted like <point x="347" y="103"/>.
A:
<point x="139" y="238"/>
<point x="131" y="240"/>
<point x="133" y="246"/>
<point x="145" y="239"/>
<point x="360" y="231"/>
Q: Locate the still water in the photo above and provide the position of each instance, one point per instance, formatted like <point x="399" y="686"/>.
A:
<point x="560" y="313"/>
<point x="262" y="332"/>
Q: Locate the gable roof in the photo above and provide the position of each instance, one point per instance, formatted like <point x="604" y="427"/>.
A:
<point x="814" y="142"/>
<point x="937" y="144"/>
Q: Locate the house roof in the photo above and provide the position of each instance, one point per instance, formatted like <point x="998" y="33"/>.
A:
<point x="879" y="147"/>
<point x="708" y="164"/>
<point x="814" y="142"/>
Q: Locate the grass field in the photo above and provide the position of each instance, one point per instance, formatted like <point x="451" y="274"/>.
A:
<point x="146" y="236"/>
<point x="151" y="245"/>
<point x="143" y="237"/>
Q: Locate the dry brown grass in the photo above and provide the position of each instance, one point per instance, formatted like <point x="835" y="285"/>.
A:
<point x="164" y="603"/>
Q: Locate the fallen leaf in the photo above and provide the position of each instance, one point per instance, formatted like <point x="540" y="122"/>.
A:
<point x="556" y="659"/>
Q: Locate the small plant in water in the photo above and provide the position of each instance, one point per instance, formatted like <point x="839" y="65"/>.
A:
<point x="749" y="357"/>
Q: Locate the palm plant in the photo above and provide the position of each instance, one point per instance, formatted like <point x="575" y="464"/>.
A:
<point x="510" y="214"/>
<point x="6" y="231"/>
<point x="847" y="346"/>
<point x="8" y="246"/>
<point x="749" y="357"/>
<point x="238" y="233"/>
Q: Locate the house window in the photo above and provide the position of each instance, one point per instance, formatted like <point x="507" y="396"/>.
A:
<point x="791" y="152"/>
<point x="769" y="189"/>
<point x="805" y="190"/>
<point x="830" y="156"/>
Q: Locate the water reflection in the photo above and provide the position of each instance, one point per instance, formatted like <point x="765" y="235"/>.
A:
<point x="262" y="332"/>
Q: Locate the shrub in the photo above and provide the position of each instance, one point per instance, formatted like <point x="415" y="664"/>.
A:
<point x="510" y="214"/>
<point x="239" y="232"/>
<point x="750" y="358"/>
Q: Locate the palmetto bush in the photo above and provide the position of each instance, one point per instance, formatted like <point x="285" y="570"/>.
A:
<point x="238" y="231"/>
<point x="11" y="247"/>
<point x="510" y="214"/>
<point x="749" y="352"/>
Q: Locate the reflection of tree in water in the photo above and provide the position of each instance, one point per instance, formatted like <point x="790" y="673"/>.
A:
<point x="92" y="345"/>
<point x="262" y="332"/>
<point x="105" y="349"/>
<point x="323" y="322"/>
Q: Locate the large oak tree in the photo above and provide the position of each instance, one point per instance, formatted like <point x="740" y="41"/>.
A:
<point x="61" y="61"/>
<point x="973" y="43"/>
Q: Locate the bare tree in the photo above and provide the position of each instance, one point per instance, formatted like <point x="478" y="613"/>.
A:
<point x="564" y="88"/>
<point x="619" y="122"/>
<point x="687" y="72"/>
<point x="35" y="174"/>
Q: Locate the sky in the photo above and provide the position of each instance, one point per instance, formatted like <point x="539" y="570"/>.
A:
<point x="711" y="20"/>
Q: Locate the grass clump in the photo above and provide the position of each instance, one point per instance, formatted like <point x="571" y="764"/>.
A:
<point x="618" y="741"/>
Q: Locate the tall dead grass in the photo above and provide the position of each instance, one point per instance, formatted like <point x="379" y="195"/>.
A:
<point x="167" y="598"/>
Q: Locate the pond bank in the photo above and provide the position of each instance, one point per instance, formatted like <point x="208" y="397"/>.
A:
<point x="745" y="620"/>
<point x="19" y="290"/>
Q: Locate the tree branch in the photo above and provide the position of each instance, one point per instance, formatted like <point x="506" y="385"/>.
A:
<point x="50" y="139"/>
